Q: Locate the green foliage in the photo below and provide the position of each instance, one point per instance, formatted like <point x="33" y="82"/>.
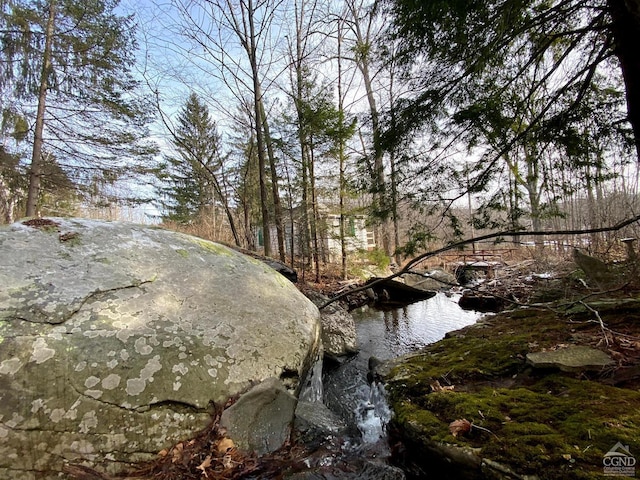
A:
<point x="420" y="236"/>
<point x="188" y="178"/>
<point x="95" y="120"/>
<point x="378" y="258"/>
<point x="525" y="86"/>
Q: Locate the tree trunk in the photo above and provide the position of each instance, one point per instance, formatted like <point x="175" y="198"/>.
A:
<point x="363" y="41"/>
<point x="306" y="237"/>
<point x="533" y="191"/>
<point x="314" y="215"/>
<point x="379" y="182"/>
<point x="227" y="210"/>
<point x="264" y="197"/>
<point x="35" y="171"/>
<point x="277" y="206"/>
<point x="625" y="15"/>
<point x="298" y="88"/>
<point x="394" y="172"/>
<point x="341" y="160"/>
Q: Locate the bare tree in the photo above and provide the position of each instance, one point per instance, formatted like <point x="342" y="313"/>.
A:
<point x="236" y="38"/>
<point x="362" y="23"/>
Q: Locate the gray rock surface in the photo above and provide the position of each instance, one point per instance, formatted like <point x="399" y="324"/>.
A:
<point x="115" y="338"/>
<point x="262" y="419"/>
<point x="315" y="423"/>
<point x="576" y="358"/>
<point x="434" y="280"/>
<point x="338" y="327"/>
<point x="596" y="271"/>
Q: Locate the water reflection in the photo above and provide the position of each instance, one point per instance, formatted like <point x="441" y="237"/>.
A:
<point x="398" y="331"/>
<point x="384" y="335"/>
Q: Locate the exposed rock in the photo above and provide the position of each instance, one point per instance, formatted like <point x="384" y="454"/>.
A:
<point x="338" y="327"/>
<point x="278" y="266"/>
<point x="480" y="303"/>
<point x="395" y="291"/>
<point x="577" y="358"/>
<point x="430" y="281"/>
<point x="595" y="269"/>
<point x="116" y="338"/>
<point x="261" y="420"/>
<point x="282" y="269"/>
<point x="314" y="423"/>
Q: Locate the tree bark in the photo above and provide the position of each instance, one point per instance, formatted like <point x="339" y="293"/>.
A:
<point x="252" y="47"/>
<point x="342" y="161"/>
<point x="363" y="44"/>
<point x="277" y="206"/>
<point x="35" y="171"/>
<point x="625" y="15"/>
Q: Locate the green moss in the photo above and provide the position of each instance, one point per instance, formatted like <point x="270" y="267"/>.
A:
<point x="213" y="247"/>
<point x="550" y="423"/>
<point x="182" y="252"/>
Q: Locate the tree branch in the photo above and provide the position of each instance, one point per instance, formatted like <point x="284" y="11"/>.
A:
<point x="507" y="233"/>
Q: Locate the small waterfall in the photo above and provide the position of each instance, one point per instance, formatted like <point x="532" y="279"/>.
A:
<point x="373" y="413"/>
<point x="349" y="389"/>
<point x="354" y="403"/>
<point x="312" y="391"/>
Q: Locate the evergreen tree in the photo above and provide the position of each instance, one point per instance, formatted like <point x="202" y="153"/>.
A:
<point x="66" y="68"/>
<point x="513" y="83"/>
<point x="463" y="54"/>
<point x="194" y="178"/>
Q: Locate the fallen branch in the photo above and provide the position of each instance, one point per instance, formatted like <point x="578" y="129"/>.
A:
<point x="508" y="233"/>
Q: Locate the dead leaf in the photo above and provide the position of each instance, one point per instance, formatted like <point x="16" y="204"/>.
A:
<point x="460" y="427"/>
<point x="437" y="387"/>
<point x="204" y="465"/>
<point x="163" y="453"/>
<point x="227" y="462"/>
<point x="177" y="452"/>
<point x="225" y="444"/>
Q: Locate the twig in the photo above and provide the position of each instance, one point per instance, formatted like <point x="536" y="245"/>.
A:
<point x="473" y="425"/>
<point x="602" y="325"/>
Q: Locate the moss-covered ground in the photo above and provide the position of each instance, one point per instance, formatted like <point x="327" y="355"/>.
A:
<point x="547" y="423"/>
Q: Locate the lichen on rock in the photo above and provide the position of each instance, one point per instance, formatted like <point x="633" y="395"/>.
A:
<point x="114" y="345"/>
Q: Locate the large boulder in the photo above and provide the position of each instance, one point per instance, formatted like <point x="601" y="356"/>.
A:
<point x="116" y="338"/>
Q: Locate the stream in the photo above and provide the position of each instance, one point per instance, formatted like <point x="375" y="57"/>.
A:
<point x="382" y="335"/>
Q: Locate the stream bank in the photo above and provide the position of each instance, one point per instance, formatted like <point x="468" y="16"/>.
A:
<point x="473" y="406"/>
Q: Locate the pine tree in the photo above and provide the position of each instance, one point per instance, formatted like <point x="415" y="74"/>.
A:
<point x="66" y="67"/>
<point x="194" y="180"/>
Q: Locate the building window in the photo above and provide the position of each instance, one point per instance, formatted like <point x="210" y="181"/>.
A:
<point x="351" y="227"/>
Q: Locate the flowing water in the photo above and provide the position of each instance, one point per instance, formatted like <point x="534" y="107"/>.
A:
<point x="386" y="334"/>
<point x="348" y="390"/>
